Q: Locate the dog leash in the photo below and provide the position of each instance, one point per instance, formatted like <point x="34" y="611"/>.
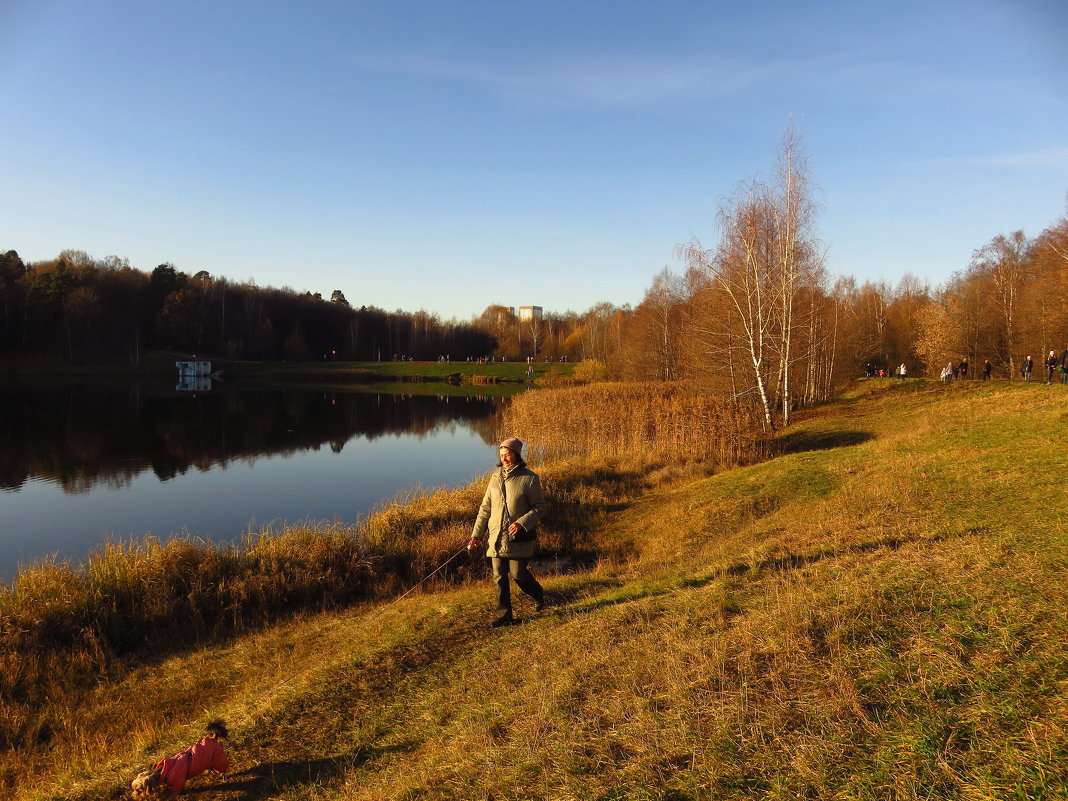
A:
<point x="372" y="618"/>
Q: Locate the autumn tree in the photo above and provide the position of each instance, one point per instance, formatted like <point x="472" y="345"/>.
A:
<point x="942" y="331"/>
<point x="501" y="323"/>
<point x="1003" y="261"/>
<point x="797" y="253"/>
<point x="595" y="335"/>
<point x="12" y="297"/>
<point x="768" y="258"/>
<point x="81" y="314"/>
<point x="1049" y="255"/>
<point x="743" y="284"/>
<point x="654" y="341"/>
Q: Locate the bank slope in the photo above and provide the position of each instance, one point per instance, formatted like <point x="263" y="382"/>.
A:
<point x="877" y="613"/>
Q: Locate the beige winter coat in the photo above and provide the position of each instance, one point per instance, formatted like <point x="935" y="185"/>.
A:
<point x="525" y="505"/>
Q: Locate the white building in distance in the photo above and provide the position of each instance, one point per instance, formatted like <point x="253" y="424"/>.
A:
<point x="528" y="313"/>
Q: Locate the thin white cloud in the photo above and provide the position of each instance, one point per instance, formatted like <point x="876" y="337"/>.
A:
<point x="605" y="81"/>
<point x="1052" y="157"/>
<point x="614" y="80"/>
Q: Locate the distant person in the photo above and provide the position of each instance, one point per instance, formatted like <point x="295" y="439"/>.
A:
<point x="1051" y="365"/>
<point x="986" y="369"/>
<point x="1028" y="368"/>
<point x="1064" y="367"/>
<point x="964" y="367"/>
<point x="510" y="510"/>
<point x="901" y="370"/>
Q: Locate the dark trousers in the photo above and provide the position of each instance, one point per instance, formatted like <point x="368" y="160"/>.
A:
<point x="523" y="578"/>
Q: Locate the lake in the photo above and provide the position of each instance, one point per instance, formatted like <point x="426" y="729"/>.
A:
<point x="82" y="465"/>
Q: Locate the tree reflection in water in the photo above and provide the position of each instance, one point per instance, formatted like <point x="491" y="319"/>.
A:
<point x="80" y="437"/>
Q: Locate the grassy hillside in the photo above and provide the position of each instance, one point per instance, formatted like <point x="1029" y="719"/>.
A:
<point x="877" y="613"/>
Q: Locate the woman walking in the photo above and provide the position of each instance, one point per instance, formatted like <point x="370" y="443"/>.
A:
<point x="510" y="511"/>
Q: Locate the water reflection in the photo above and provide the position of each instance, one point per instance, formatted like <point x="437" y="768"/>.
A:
<point x="79" y="437"/>
<point x="82" y="465"/>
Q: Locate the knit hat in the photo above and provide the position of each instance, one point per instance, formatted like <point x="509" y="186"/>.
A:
<point x="512" y="444"/>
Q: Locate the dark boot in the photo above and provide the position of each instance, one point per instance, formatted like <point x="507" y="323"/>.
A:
<point x="504" y="620"/>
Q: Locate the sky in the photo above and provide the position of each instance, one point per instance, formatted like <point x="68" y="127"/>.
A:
<point x="446" y="155"/>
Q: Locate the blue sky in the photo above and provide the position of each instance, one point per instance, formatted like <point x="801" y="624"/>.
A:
<point x="450" y="155"/>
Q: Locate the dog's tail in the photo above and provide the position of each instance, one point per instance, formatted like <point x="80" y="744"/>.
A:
<point x="217" y="728"/>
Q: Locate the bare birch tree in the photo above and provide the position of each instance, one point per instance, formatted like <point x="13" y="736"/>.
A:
<point x="767" y="259"/>
<point x="535" y="331"/>
<point x="742" y="271"/>
<point x="795" y="250"/>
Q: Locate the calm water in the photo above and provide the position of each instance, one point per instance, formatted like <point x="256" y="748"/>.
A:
<point x="80" y="466"/>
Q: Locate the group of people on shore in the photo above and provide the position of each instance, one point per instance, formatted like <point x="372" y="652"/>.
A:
<point x="951" y="372"/>
<point x="1056" y="365"/>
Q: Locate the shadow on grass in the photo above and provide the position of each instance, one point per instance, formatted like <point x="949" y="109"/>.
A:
<point x="270" y="778"/>
<point x="580" y="600"/>
<point x="800" y="441"/>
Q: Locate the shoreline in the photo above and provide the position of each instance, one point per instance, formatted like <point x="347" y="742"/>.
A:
<point x="161" y="365"/>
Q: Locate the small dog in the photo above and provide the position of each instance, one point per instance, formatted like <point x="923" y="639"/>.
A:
<point x="169" y="776"/>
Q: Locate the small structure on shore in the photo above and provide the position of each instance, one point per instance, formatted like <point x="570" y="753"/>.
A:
<point x="193" y="368"/>
<point x="193" y="375"/>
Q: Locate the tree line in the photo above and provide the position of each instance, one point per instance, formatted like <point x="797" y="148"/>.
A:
<point x="77" y="307"/>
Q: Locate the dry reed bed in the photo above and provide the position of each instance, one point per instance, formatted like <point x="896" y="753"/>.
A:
<point x="642" y="420"/>
<point x="63" y="627"/>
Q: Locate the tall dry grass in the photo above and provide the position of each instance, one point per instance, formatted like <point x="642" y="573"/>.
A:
<point x="63" y="627"/>
<point x="651" y="421"/>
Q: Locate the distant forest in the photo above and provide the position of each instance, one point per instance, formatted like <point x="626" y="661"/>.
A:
<point x="76" y="307"/>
